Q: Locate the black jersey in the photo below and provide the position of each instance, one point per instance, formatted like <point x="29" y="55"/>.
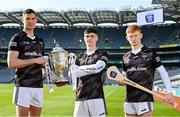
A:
<point x="90" y="86"/>
<point x="140" y="68"/>
<point x="29" y="76"/>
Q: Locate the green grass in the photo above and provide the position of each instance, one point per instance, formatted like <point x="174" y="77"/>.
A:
<point x="61" y="102"/>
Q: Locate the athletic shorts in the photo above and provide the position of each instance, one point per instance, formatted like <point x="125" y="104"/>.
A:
<point x="138" y="108"/>
<point x="90" y="108"/>
<point x="26" y="96"/>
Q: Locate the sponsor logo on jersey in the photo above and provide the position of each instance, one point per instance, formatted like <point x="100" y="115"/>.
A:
<point x="26" y="42"/>
<point x="137" y="69"/>
<point x="33" y="41"/>
<point x="32" y="54"/>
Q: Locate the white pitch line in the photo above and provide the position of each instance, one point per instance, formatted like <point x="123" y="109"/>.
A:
<point x="111" y="92"/>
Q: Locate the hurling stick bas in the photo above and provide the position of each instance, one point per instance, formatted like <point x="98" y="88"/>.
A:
<point x="176" y="100"/>
<point x="114" y="74"/>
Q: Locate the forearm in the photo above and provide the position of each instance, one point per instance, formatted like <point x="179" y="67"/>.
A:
<point x="19" y="63"/>
<point x="15" y="62"/>
<point x="85" y="70"/>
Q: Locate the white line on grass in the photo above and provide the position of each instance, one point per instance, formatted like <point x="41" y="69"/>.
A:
<point x="109" y="93"/>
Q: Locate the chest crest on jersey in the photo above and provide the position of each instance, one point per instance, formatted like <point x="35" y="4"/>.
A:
<point x="144" y="57"/>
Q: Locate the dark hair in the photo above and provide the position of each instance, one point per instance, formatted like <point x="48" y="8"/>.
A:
<point x="28" y="11"/>
<point x="90" y="30"/>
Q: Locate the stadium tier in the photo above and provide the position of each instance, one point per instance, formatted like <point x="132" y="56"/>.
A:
<point x="111" y="37"/>
<point x="164" y="38"/>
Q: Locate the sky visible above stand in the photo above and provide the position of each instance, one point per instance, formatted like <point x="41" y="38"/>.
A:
<point x="10" y="5"/>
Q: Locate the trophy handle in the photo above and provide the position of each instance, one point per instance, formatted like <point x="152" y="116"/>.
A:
<point x="51" y="64"/>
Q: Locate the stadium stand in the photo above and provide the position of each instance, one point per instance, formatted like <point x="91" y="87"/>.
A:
<point x="164" y="38"/>
<point x="110" y="40"/>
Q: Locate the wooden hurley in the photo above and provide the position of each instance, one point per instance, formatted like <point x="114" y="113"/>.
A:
<point x="114" y="74"/>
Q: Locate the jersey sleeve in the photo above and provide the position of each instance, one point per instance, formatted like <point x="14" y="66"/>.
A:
<point x="13" y="43"/>
<point x="156" y="60"/>
<point x="123" y="64"/>
<point x="90" y="69"/>
<point x="104" y="57"/>
<point x="165" y="78"/>
<point x="123" y="67"/>
<point x="77" y="62"/>
<point x="43" y="46"/>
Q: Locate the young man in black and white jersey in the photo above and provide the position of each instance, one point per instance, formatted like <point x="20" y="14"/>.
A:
<point x="139" y="65"/>
<point x="88" y="71"/>
<point x="25" y="54"/>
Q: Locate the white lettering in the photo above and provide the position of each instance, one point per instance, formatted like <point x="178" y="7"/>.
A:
<point x="137" y="69"/>
<point x="32" y="54"/>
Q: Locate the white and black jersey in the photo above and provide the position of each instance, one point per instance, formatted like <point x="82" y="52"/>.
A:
<point x="90" y="86"/>
<point x="140" y="68"/>
<point x="30" y="76"/>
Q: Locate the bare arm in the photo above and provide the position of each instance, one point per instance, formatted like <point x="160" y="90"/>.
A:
<point x="14" y="62"/>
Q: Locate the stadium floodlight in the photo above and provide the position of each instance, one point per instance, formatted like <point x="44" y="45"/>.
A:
<point x="150" y="17"/>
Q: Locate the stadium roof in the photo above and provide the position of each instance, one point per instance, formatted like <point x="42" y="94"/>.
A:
<point x="171" y="8"/>
<point x="96" y="17"/>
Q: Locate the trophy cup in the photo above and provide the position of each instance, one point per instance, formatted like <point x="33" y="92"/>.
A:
<point x="58" y="59"/>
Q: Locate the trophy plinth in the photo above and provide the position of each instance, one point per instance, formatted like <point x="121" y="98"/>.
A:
<point x="59" y="63"/>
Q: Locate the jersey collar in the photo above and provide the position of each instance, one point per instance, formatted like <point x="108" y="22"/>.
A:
<point x="137" y="50"/>
<point x="91" y="52"/>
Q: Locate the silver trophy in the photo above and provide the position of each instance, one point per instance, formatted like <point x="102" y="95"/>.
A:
<point x="58" y="59"/>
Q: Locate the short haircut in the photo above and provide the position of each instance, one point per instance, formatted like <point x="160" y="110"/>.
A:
<point x="90" y="30"/>
<point x="133" y="28"/>
<point x="28" y="11"/>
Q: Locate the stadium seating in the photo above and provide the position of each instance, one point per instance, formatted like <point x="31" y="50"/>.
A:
<point x="111" y="40"/>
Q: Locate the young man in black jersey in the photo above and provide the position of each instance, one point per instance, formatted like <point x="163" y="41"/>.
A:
<point x="25" y="54"/>
<point x="88" y="71"/>
<point x="139" y="65"/>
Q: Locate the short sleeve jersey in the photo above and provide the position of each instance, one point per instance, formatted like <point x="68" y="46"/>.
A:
<point x="90" y="86"/>
<point x="29" y="76"/>
<point x="140" y="68"/>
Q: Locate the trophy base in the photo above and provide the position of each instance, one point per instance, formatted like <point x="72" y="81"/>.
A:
<point x="60" y="83"/>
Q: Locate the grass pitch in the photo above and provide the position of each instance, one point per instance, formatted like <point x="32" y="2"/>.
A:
<point x="61" y="102"/>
